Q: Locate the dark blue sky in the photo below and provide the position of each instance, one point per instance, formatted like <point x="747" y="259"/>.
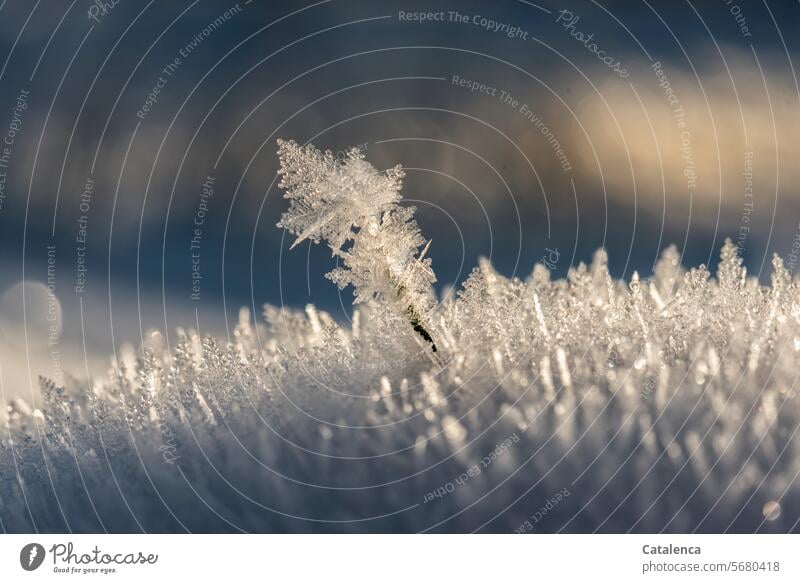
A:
<point x="486" y="180"/>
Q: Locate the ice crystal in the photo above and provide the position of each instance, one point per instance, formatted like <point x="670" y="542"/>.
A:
<point x="355" y="209"/>
<point x="663" y="403"/>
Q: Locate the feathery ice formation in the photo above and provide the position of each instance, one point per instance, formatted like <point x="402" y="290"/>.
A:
<point x="586" y="404"/>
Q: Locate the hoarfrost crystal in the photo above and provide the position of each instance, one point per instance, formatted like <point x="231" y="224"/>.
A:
<point x="664" y="403"/>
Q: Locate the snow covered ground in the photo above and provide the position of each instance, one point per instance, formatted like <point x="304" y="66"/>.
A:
<point x="664" y="403"/>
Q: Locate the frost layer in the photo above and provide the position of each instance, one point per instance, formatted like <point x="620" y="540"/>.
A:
<point x="578" y="405"/>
